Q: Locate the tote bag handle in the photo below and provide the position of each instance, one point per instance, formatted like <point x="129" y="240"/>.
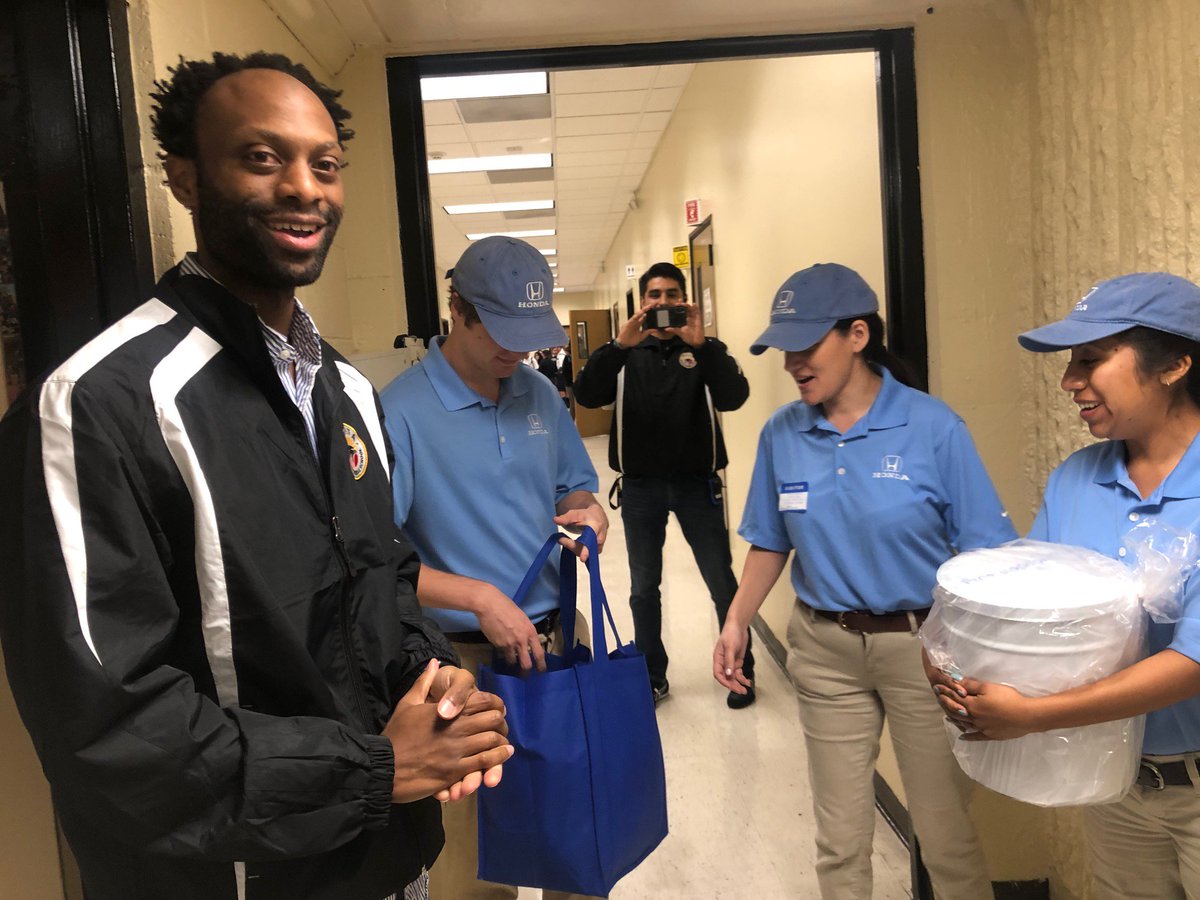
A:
<point x="566" y="591"/>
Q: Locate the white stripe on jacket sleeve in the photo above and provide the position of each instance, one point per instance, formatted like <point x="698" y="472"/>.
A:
<point x="58" y="445"/>
<point x="175" y="370"/>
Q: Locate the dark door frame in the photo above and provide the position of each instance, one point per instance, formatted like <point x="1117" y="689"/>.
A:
<point x="904" y="254"/>
<point x="70" y="163"/>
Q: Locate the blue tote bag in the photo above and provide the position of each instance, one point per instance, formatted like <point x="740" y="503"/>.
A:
<point x="583" y="799"/>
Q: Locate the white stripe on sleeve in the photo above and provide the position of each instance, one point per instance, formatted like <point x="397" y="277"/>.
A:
<point x="58" y="445"/>
<point x="176" y="370"/>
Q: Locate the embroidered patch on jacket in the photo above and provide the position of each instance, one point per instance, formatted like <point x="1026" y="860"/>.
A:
<point x="358" y="451"/>
<point x="687" y="360"/>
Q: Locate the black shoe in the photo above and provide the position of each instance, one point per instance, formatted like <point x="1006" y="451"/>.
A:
<point x="660" y="691"/>
<point x="740" y="701"/>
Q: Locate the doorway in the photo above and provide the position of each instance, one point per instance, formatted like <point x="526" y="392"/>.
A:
<point x="904" y="280"/>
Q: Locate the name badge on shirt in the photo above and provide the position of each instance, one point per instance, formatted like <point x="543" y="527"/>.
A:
<point x="793" y="496"/>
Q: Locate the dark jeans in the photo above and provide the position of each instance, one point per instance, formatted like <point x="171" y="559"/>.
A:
<point x="645" y="502"/>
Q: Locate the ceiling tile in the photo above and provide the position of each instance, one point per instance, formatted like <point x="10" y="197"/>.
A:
<point x="578" y="172"/>
<point x="647" y="138"/>
<point x="565" y="161"/>
<point x="510" y="132"/>
<point x="577" y="125"/>
<point x="586" y="81"/>
<point x="663" y="99"/>
<point x="592" y="142"/>
<point x="587" y="185"/>
<point x="441" y="112"/>
<point x="654" y="121"/>
<point x="673" y="76"/>
<point x="446" y="134"/>
<point x="503" y="148"/>
<point x="599" y="104"/>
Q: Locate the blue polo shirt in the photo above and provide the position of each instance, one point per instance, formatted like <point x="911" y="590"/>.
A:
<point x="873" y="512"/>
<point x="476" y="482"/>
<point x="1091" y="502"/>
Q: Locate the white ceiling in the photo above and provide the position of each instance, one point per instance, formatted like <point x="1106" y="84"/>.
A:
<point x="602" y="128"/>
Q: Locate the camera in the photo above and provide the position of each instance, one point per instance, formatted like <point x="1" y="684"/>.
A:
<point x="665" y="317"/>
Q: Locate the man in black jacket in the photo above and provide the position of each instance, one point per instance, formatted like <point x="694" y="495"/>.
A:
<point x="667" y="385"/>
<point x="208" y="616"/>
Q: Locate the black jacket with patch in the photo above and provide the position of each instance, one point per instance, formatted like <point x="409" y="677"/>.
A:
<point x="665" y="395"/>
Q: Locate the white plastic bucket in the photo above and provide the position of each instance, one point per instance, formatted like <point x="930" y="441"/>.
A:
<point x="1041" y="618"/>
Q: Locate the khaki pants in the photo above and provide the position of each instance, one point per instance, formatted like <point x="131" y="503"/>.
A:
<point x="848" y="682"/>
<point x="453" y="876"/>
<point x="1146" y="846"/>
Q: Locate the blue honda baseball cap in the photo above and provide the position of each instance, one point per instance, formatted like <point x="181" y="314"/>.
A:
<point x="811" y="302"/>
<point x="1155" y="300"/>
<point x="510" y="285"/>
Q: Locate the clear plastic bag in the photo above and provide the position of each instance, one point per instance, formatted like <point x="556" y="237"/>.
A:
<point x="1162" y="559"/>
<point x="1042" y="618"/>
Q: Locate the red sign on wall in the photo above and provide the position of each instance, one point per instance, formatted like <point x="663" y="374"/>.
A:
<point x="691" y="210"/>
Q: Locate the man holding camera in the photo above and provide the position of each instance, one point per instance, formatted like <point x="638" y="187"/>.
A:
<point x="667" y="381"/>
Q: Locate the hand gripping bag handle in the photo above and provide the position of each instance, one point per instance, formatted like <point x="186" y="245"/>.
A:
<point x="566" y="592"/>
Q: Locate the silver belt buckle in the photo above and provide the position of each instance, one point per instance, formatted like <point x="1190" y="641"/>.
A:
<point x="1160" y="783"/>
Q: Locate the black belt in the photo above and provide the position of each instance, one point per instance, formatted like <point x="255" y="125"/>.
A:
<point x="545" y="627"/>
<point x="1159" y="775"/>
<point x="865" y="622"/>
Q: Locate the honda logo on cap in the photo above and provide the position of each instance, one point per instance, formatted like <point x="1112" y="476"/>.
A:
<point x="535" y="290"/>
<point x="785" y="299"/>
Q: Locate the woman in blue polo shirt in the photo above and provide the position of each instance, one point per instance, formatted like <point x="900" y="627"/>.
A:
<point x="1134" y="342"/>
<point x="873" y="484"/>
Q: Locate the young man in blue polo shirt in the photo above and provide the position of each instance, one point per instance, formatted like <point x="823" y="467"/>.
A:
<point x="488" y="462"/>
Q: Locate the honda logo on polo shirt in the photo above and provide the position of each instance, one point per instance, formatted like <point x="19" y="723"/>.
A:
<point x="535" y="294"/>
<point x="890" y="466"/>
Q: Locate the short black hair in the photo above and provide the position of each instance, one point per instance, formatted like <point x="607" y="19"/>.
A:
<point x="177" y="99"/>
<point x="662" y="270"/>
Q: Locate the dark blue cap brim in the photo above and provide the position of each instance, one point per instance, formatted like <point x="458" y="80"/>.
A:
<point x="523" y="334"/>
<point x="1069" y="333"/>
<point x="792" y="335"/>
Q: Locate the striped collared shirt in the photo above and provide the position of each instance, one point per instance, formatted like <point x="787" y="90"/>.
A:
<point x="300" y="347"/>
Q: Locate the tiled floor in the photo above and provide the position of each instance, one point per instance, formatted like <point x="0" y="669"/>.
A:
<point x="737" y="784"/>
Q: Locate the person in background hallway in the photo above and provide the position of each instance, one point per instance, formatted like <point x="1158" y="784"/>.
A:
<point x="547" y="366"/>
<point x="873" y="485"/>
<point x="208" y="616"/>
<point x="1134" y="344"/>
<point x="488" y="462"/>
<point x="668" y="385"/>
<point x="566" y="376"/>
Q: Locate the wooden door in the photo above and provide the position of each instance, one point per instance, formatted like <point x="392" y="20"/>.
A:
<point x="590" y="328"/>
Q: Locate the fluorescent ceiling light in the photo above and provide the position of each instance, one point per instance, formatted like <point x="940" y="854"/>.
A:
<point x="490" y="163"/>
<point x="549" y="253"/>
<point x="559" y="290"/>
<point x="536" y="232"/>
<point x="464" y="209"/>
<point x="552" y="265"/>
<point x="465" y="87"/>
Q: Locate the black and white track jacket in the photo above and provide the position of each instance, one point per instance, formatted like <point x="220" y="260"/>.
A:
<point x="204" y="627"/>
<point x="666" y="396"/>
